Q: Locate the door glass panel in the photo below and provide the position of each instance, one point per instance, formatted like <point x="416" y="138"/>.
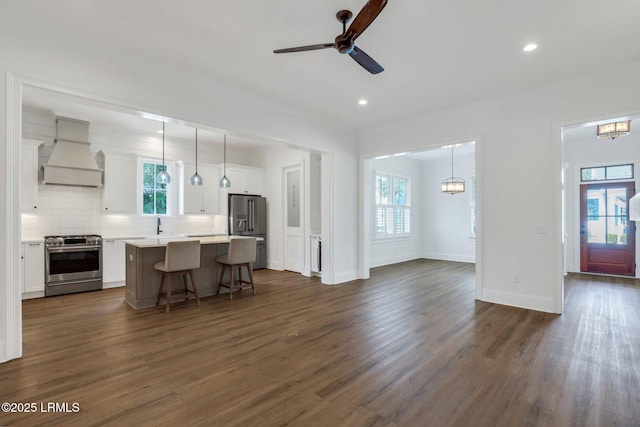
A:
<point x="595" y="202"/>
<point x="616" y="201"/>
<point x="616" y="231"/>
<point x="293" y="199"/>
<point x="597" y="229"/>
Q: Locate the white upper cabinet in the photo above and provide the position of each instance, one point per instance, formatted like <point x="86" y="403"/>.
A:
<point x="120" y="184"/>
<point x="29" y="175"/>
<point x="204" y="199"/>
<point x="245" y="179"/>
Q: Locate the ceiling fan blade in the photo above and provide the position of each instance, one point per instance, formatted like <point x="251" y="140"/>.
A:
<point x="367" y="62"/>
<point x="366" y="16"/>
<point x="304" y="48"/>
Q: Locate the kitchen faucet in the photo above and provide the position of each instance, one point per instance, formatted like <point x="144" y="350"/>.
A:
<point x="159" y="223"/>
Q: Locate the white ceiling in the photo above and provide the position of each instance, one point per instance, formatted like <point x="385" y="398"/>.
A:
<point x="436" y="54"/>
<point x="113" y="122"/>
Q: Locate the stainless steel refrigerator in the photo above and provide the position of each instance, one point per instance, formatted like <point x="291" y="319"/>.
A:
<point x="248" y="217"/>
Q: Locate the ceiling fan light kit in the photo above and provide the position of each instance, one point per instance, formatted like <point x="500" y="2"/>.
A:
<point x="345" y="42"/>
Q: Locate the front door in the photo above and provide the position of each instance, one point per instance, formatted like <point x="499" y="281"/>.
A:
<point x="607" y="237"/>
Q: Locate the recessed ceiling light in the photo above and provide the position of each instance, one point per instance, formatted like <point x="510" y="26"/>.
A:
<point x="160" y="131"/>
<point x="363" y="102"/>
<point x="530" y="47"/>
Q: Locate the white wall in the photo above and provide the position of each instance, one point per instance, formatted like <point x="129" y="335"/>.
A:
<point x="519" y="186"/>
<point x="587" y="152"/>
<point x="447" y="218"/>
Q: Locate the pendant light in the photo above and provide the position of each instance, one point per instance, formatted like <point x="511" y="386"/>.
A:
<point x="452" y="185"/>
<point x="224" y="181"/>
<point x="195" y="178"/>
<point x="163" y="177"/>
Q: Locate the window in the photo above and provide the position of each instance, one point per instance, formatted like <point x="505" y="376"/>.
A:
<point x="155" y="197"/>
<point x="606" y="173"/>
<point x="393" y="210"/>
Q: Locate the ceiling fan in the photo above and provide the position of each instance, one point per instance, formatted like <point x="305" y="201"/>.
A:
<point x="345" y="42"/>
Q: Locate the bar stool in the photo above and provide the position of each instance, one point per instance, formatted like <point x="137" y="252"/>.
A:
<point x="180" y="259"/>
<point x="242" y="253"/>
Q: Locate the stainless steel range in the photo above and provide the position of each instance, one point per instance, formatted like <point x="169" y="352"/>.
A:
<point x="72" y="264"/>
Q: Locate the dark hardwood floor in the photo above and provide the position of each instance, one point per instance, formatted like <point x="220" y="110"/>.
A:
<point x="408" y="347"/>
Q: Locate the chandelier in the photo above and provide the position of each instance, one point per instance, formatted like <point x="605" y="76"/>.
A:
<point x="452" y="185"/>
<point x="614" y="130"/>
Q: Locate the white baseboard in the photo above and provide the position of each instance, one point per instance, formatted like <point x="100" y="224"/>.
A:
<point x="275" y="266"/>
<point x="31" y="295"/>
<point x="450" y="257"/>
<point x="393" y="260"/>
<point x="114" y="285"/>
<point x="343" y="277"/>
<point x="529" y="302"/>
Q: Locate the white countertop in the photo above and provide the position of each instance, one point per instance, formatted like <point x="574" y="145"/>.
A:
<point x="160" y="242"/>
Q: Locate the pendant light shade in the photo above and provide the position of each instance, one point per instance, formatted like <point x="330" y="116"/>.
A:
<point x="196" y="179"/>
<point x="614" y="130"/>
<point x="224" y="181"/>
<point x="452" y="185"/>
<point x="163" y="176"/>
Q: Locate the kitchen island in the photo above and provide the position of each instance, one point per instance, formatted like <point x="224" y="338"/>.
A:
<point x="142" y="280"/>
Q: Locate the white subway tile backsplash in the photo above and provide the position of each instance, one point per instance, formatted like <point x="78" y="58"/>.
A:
<point x="78" y="210"/>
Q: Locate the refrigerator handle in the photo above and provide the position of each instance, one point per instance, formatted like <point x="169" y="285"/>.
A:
<point x="251" y="214"/>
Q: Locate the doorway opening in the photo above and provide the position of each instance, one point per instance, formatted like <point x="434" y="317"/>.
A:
<point x="406" y="215"/>
<point x="607" y="237"/>
<point x="599" y="179"/>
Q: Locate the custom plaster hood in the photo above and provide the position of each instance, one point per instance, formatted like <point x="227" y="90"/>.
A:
<point x="72" y="162"/>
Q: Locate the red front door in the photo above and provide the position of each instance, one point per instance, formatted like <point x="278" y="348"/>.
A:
<point x="607" y="237"/>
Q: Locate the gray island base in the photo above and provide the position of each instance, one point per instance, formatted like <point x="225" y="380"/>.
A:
<point x="142" y="280"/>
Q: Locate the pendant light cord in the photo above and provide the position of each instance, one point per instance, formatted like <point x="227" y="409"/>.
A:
<point x="225" y="155"/>
<point x="163" y="145"/>
<point x="452" y="162"/>
<point x="196" y="151"/>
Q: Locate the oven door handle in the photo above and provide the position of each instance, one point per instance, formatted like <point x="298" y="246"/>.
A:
<point x="71" y="282"/>
<point x="74" y="249"/>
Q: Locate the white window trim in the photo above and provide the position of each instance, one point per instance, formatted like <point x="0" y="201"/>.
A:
<point x="392" y="236"/>
<point x="170" y="164"/>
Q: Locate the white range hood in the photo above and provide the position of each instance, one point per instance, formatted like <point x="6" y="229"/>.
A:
<point x="72" y="162"/>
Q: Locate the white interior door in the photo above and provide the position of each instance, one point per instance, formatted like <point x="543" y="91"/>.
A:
<point x="293" y="217"/>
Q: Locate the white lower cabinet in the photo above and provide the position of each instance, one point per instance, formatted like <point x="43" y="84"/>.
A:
<point x="32" y="255"/>
<point x="113" y="261"/>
